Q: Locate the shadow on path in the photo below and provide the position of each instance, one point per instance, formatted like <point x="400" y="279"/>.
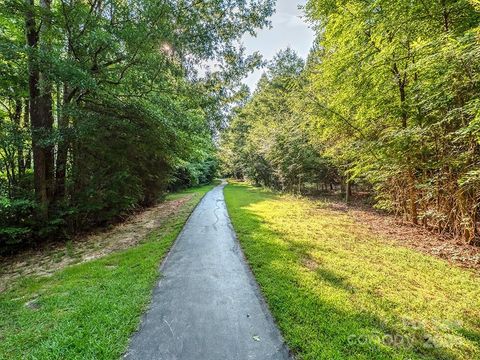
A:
<point x="207" y="305"/>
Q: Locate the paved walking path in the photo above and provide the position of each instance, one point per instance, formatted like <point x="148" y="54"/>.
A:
<point x="207" y="305"/>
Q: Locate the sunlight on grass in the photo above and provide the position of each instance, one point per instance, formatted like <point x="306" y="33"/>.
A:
<point x="87" y="311"/>
<point x="337" y="291"/>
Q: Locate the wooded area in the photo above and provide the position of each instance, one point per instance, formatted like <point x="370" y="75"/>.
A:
<point x="388" y="99"/>
<point x="104" y="105"/>
<point x="114" y="112"/>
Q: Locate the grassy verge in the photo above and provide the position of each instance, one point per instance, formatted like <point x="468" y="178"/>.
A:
<point x="339" y="292"/>
<point x="89" y="310"/>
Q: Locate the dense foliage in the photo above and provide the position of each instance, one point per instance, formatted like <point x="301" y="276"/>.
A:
<point x="104" y="105"/>
<point x="390" y="96"/>
<point x="267" y="140"/>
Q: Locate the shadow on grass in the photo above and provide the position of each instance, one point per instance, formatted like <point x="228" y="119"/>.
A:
<point x="335" y="280"/>
<point x="319" y="323"/>
<point x="470" y="334"/>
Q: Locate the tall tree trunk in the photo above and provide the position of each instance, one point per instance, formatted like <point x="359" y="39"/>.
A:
<point x="348" y="190"/>
<point x="18" y="120"/>
<point x="62" y="153"/>
<point x="46" y="103"/>
<point x="446" y="15"/>
<point x="36" y="121"/>
<point x="41" y="117"/>
<point x="412" y="194"/>
<point x="26" y="125"/>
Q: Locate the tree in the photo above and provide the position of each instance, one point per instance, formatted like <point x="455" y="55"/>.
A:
<point x="267" y="140"/>
<point x="117" y="104"/>
<point x="391" y="92"/>
<point x="388" y="99"/>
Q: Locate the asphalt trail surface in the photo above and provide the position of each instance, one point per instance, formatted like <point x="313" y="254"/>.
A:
<point x="207" y="305"/>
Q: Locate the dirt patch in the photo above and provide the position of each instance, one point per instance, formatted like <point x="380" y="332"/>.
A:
<point x="416" y="237"/>
<point x="309" y="263"/>
<point x="53" y="257"/>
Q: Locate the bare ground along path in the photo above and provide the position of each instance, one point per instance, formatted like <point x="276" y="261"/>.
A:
<point x="207" y="305"/>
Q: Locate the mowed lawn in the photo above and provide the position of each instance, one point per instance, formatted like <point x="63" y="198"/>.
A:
<point x="88" y="311"/>
<point x="339" y="292"/>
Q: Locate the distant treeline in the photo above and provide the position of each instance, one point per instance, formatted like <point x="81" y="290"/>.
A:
<point x="103" y="107"/>
<point x="388" y="98"/>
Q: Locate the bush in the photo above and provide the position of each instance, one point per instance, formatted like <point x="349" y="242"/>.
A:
<point x="16" y="222"/>
<point x="194" y="174"/>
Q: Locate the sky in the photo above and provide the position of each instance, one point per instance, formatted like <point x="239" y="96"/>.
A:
<point x="288" y="30"/>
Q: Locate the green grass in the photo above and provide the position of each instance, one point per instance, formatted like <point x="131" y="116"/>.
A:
<point x="337" y="291"/>
<point x="89" y="310"/>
